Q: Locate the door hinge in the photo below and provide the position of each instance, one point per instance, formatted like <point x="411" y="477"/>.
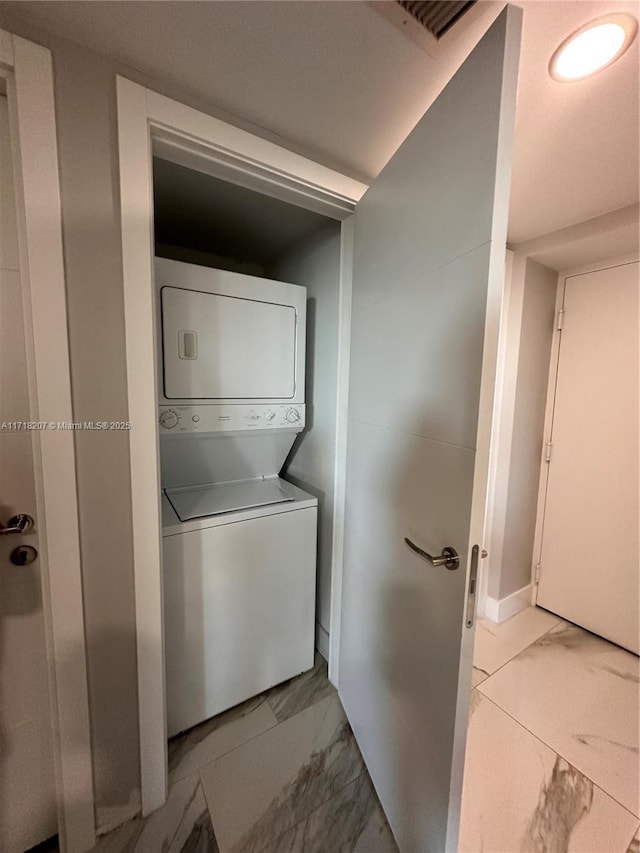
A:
<point x="538" y="565"/>
<point x="560" y="319"/>
<point x="547" y="451"/>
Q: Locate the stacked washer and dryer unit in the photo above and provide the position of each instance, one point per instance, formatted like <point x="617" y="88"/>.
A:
<point x="239" y="542"/>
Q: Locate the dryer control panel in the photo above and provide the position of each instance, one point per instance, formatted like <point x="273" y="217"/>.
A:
<point x="176" y="420"/>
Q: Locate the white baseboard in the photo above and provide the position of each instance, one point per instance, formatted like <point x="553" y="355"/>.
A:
<point x="501" y="609"/>
<point x="322" y="641"/>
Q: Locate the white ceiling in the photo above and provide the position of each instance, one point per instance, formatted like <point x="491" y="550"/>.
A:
<point x="341" y="82"/>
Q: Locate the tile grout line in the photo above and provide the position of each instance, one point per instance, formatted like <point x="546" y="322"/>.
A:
<point x="270" y="728"/>
<point x="502" y="666"/>
<point x="559" y="754"/>
<point x="198" y="771"/>
<point x="185" y="812"/>
<point x="306" y="817"/>
<point x="533" y="734"/>
<point x="206" y="800"/>
<point x="632" y="839"/>
<point x="317" y="808"/>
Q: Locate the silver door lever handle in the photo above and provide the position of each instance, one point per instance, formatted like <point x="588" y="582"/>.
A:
<point x="449" y="557"/>
<point x="18" y="524"/>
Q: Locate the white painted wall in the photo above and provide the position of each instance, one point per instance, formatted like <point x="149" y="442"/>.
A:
<point x="208" y="259"/>
<point x="518" y="434"/>
<point x="529" y="311"/>
<point x="612" y="235"/>
<point x="85" y="114"/>
<point x="502" y="434"/>
<point x="311" y="464"/>
<point x="538" y="311"/>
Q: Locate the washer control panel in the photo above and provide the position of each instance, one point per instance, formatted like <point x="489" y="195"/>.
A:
<point x="174" y="420"/>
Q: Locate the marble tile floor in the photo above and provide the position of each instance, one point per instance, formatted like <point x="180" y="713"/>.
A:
<point x="279" y="774"/>
<point x="552" y="749"/>
<point x="551" y="764"/>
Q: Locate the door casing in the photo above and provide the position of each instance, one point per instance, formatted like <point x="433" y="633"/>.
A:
<point x="148" y="124"/>
<point x="27" y="71"/>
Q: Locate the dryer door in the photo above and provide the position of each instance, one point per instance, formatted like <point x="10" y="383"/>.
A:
<point x="224" y="348"/>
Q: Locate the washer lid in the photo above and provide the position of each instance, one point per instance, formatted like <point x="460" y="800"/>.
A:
<point x="201" y="501"/>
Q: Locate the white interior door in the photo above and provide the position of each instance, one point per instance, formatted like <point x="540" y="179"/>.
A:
<point x="589" y="560"/>
<point x="429" y="267"/>
<point x="27" y="788"/>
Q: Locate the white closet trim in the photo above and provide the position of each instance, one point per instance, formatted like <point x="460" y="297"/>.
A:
<point x="151" y="123"/>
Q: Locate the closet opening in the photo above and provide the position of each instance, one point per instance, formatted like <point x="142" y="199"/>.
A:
<point x="204" y="228"/>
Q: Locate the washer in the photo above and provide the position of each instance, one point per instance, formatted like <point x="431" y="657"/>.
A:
<point x="239" y="542"/>
<point x="239" y="600"/>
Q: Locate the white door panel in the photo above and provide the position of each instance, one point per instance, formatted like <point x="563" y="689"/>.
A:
<point x="395" y="473"/>
<point x="401" y="591"/>
<point x="428" y="310"/>
<point x="460" y="174"/>
<point x="428" y="269"/>
<point x="590" y="551"/>
<point x="27" y="791"/>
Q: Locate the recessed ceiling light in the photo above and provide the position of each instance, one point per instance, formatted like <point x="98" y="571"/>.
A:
<point x="593" y="47"/>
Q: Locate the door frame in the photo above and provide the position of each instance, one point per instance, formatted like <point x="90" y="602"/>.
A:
<point x="501" y="434"/>
<point x="28" y="74"/>
<point x="150" y="123"/>
<point x="554" y="362"/>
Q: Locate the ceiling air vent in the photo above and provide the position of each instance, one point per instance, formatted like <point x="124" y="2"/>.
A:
<point x="436" y="16"/>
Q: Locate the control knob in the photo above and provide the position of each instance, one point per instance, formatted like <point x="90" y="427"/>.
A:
<point x="292" y="415"/>
<point x="168" y="419"/>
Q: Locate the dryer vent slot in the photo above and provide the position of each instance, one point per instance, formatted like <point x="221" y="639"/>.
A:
<point x="436" y="16"/>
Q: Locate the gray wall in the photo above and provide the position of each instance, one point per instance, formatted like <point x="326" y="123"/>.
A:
<point x="85" y="110"/>
<point x="85" y="97"/>
<point x="538" y="311"/>
<point x="316" y="264"/>
<point x="208" y="259"/>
